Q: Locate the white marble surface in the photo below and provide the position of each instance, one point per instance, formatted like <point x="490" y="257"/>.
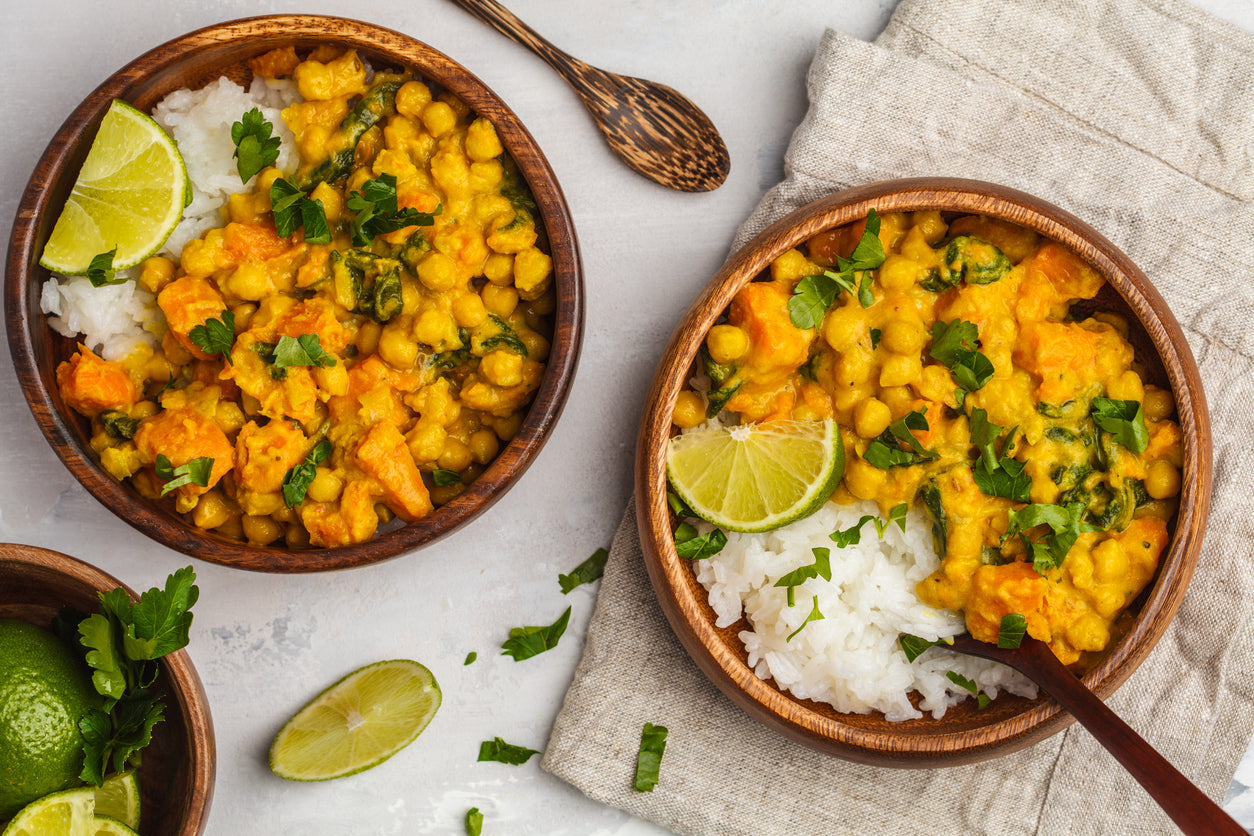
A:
<point x="265" y="644"/>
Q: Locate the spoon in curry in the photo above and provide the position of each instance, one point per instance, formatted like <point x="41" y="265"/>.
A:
<point x="655" y="130"/>
<point x="1190" y="808"/>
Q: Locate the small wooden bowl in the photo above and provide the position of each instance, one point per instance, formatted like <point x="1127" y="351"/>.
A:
<point x="194" y="60"/>
<point x="964" y="735"/>
<point x="177" y="771"/>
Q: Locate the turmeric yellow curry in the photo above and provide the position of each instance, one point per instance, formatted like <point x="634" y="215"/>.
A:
<point x="948" y="352"/>
<point x="355" y="343"/>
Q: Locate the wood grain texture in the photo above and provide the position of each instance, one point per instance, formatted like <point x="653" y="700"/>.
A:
<point x="655" y="130"/>
<point x="194" y="60"/>
<point x="963" y="735"/>
<point x="177" y="774"/>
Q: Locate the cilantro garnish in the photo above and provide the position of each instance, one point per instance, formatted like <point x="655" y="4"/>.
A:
<point x="296" y="481"/>
<point x="293" y="208"/>
<point x="1066" y="525"/>
<point x="649" y="758"/>
<point x="1010" y="633"/>
<point x="1124" y="420"/>
<point x="813" y="295"/>
<point x="587" y="572"/>
<point x="693" y="546"/>
<point x="376" y="213"/>
<point x="820" y="568"/>
<point x="525" y="642"/>
<point x="955" y="345"/>
<point x="997" y="475"/>
<point x="255" y="148"/>
<point x="100" y="271"/>
<point x="501" y="752"/>
<point x="194" y="472"/>
<point x="123" y="641"/>
<point x="814" y="615"/>
<point x="443" y="478"/>
<point x="884" y="452"/>
<point x="215" y="336"/>
<point x="474" y="822"/>
<point x="470" y="657"/>
<point x="981" y="700"/>
<point x="305" y="350"/>
<point x="913" y="646"/>
<point x="677" y="505"/>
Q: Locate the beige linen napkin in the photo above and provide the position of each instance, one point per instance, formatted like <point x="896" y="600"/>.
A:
<point x="1138" y="116"/>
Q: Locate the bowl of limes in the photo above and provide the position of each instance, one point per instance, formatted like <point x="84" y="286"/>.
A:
<point x="85" y="685"/>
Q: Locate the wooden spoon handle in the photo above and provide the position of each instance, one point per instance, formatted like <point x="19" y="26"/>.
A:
<point x="501" y="19"/>
<point x="1191" y="809"/>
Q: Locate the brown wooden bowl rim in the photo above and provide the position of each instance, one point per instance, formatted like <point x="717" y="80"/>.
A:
<point x="188" y="691"/>
<point x="60" y="162"/>
<point x="671" y="575"/>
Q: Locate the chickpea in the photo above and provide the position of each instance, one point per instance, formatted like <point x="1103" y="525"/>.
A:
<point x="506" y="428"/>
<point x="531" y="272"/>
<point x="903" y="336"/>
<point x="864" y="480"/>
<point x="899" y="399"/>
<point x="689" y="410"/>
<point x="411" y="98"/>
<point x="931" y="225"/>
<point x="499" y="300"/>
<point x="844" y="327"/>
<point x="1127" y="387"/>
<point x="261" y="530"/>
<point x="396" y="346"/>
<point x="436" y="329"/>
<point x="212" y="510"/>
<point x="438" y="271"/>
<point x="326" y="486"/>
<point x="229" y="418"/>
<point x="499" y="269"/>
<point x="502" y="368"/>
<point x="155" y="273"/>
<point x="484" y="445"/>
<point x="898" y="273"/>
<point x="871" y="417"/>
<point x="727" y="343"/>
<point x="332" y="202"/>
<point x="456" y="455"/>
<point x="243" y="315"/>
<point x="1110" y="562"/>
<point x="296" y="537"/>
<point x="438" y="118"/>
<point x="1157" y="403"/>
<point x="468" y="310"/>
<point x="367" y="337"/>
<point x="537" y="345"/>
<point x="792" y="266"/>
<point x="853" y="367"/>
<point x="1162" y="481"/>
<point x="482" y="142"/>
<point x="900" y="370"/>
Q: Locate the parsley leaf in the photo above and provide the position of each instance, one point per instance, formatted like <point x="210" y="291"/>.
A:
<point x="194" y="472"/>
<point x="100" y="271"/>
<point x="678" y="507"/>
<point x="297" y="479"/>
<point x="1124" y="420"/>
<point x="1010" y="633"/>
<point x="292" y="208"/>
<point x="997" y="475"/>
<point x="215" y="336"/>
<point x="693" y="546"/>
<point x="501" y="752"/>
<point x="305" y="350"/>
<point x="897" y="514"/>
<point x="474" y="822"/>
<point x="1066" y="525"/>
<point x="813" y="295"/>
<point x="814" y="615"/>
<point x="913" y="646"/>
<point x="649" y="758"/>
<point x="820" y="568"/>
<point x="443" y="478"/>
<point x="852" y="535"/>
<point x="586" y="572"/>
<point x="470" y="657"/>
<point x="525" y="642"/>
<point x="376" y="213"/>
<point x="955" y="345"/>
<point x="962" y="682"/>
<point x="884" y="452"/>
<point x="255" y="148"/>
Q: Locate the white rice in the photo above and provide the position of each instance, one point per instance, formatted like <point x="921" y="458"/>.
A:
<point x="850" y="658"/>
<point x="114" y="319"/>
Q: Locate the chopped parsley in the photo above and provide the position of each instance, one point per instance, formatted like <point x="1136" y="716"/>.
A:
<point x="814" y="615"/>
<point x="470" y="657"/>
<point x="444" y="478"/>
<point x="820" y="568"/>
<point x="255" y="147"/>
<point x="292" y="208"/>
<point x="649" y="758"/>
<point x="297" y="479"/>
<point x="1066" y="524"/>
<point x="955" y="345"/>
<point x="913" y="646"/>
<point x="215" y="336"/>
<point x="100" y="271"/>
<point x="474" y="822"/>
<point x="587" y="572"/>
<point x="852" y="535"/>
<point x="884" y="452"/>
<point x="981" y="700"/>
<point x="1124" y="420"/>
<point x="376" y="213"/>
<point x="691" y="545"/>
<point x="525" y="642"/>
<point x="1010" y="633"/>
<point x="501" y="752"/>
<point x="305" y="350"/>
<point x="194" y="472"/>
<point x="813" y="295"/>
<point x="997" y="475"/>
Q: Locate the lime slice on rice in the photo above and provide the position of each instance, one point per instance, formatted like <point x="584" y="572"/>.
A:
<point x="359" y="722"/>
<point x="756" y="477"/>
<point x="68" y="812"/>
<point x="130" y="194"/>
<point x="118" y="798"/>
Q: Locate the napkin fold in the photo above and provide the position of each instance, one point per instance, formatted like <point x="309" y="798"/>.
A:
<point x="1137" y="116"/>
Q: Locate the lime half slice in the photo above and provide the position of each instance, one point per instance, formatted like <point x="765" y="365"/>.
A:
<point x="66" y="813"/>
<point x="118" y="798"/>
<point x="756" y="477"/>
<point x="359" y="722"/>
<point x="129" y="194"/>
<point x="105" y="826"/>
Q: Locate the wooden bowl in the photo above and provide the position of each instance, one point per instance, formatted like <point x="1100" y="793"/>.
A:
<point x="964" y="734"/>
<point x="176" y="776"/>
<point x="194" y="60"/>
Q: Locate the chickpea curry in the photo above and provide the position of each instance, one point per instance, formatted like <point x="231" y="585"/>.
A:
<point x="356" y="342"/>
<point x="963" y="380"/>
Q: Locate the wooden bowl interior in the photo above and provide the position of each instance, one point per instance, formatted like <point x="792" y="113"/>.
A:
<point x="176" y="776"/>
<point x="193" y="61"/>
<point x="964" y="734"/>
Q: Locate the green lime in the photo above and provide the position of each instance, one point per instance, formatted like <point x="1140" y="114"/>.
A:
<point x="756" y="477"/>
<point x="118" y="798"/>
<point x="45" y="688"/>
<point x="359" y="722"/>
<point x="130" y="194"/>
<point x="68" y="812"/>
<point x="106" y="826"/>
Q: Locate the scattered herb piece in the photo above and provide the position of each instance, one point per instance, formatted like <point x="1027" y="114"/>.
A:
<point x="678" y="507"/>
<point x="215" y="336"/>
<point x="997" y="475"/>
<point x="100" y="271"/>
<point x="119" y="425"/>
<point x="501" y="752"/>
<point x="255" y="148"/>
<point x="649" y="758"/>
<point x="852" y="535"/>
<point x="814" y="615"/>
<point x="470" y="657"/>
<point x="913" y="646"/>
<point x="691" y="545"/>
<point x="443" y="478"/>
<point x="1066" y="524"/>
<point x="813" y="295"/>
<point x="305" y="350"/>
<point x="297" y="479"/>
<point x="982" y="700"/>
<point x="884" y="452"/>
<point x="474" y="822"/>
<point x="955" y="345"/>
<point x="525" y="642"/>
<point x="1010" y="633"/>
<point x="194" y="472"/>
<point x="875" y="337"/>
<point x="376" y="213"/>
<point x="123" y="641"/>
<point x="962" y="682"/>
<point x="292" y="209"/>
<point x="587" y="572"/>
<point x="506" y="337"/>
<point x="897" y="514"/>
<point x="1124" y="420"/>
<point x="820" y="568"/>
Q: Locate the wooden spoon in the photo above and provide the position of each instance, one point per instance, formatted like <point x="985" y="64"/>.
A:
<point x="654" y="129"/>
<point x="1187" y="806"/>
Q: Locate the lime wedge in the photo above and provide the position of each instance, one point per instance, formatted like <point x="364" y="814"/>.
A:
<point x="66" y="813"/>
<point x="359" y="722"/>
<point x="129" y="194"/>
<point x="756" y="477"/>
<point x="118" y="798"/>
<point x="105" y="826"/>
